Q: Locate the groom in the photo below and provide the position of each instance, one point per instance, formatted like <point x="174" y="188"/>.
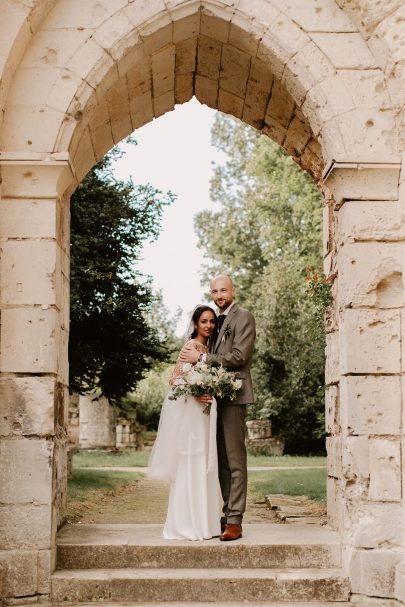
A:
<point x="231" y="347"/>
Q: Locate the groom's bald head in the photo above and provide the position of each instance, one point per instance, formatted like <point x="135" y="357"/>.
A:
<point x="222" y="291"/>
<point x="223" y="278"/>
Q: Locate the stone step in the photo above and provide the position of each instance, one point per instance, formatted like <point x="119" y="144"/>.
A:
<point x="199" y="585"/>
<point x="262" y="545"/>
<point x="221" y="604"/>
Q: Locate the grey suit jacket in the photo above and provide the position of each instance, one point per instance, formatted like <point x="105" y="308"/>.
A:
<point x="233" y="349"/>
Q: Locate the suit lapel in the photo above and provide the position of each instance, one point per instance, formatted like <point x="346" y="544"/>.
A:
<point x="224" y="325"/>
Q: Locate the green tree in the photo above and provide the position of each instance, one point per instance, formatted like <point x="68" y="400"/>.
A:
<point x="165" y="324"/>
<point x="265" y="233"/>
<point x="145" y="403"/>
<point x="111" y="343"/>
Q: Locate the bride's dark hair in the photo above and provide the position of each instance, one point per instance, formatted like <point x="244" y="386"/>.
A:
<point x="196" y="317"/>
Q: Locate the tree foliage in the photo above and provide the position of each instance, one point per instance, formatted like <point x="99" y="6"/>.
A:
<point x="146" y="402"/>
<point x="266" y="231"/>
<point x="164" y="323"/>
<point x="111" y="342"/>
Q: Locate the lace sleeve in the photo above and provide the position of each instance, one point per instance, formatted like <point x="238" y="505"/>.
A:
<point x="176" y="371"/>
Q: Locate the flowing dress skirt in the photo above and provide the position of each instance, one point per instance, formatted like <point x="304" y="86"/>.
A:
<point x="185" y="452"/>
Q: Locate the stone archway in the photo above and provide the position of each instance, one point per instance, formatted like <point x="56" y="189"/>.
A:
<point x="322" y="78"/>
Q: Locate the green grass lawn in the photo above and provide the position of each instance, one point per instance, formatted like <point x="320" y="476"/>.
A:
<point x="85" y="483"/>
<point x="286" y="460"/>
<point x="311" y="483"/>
<point x="94" y="458"/>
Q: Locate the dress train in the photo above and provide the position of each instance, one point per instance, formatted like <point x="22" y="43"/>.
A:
<point x="185" y="452"/>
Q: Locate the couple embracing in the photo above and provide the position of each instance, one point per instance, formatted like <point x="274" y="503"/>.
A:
<point x="204" y="456"/>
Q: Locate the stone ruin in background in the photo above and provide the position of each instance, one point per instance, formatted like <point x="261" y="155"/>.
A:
<point x="260" y="441"/>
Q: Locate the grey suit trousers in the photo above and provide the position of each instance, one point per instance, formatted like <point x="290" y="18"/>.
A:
<point x="232" y="460"/>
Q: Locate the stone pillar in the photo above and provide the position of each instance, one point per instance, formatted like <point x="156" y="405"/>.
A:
<point x="97" y="422"/>
<point x="127" y="435"/>
<point x="73" y="428"/>
<point x="364" y="251"/>
<point x="123" y="432"/>
<point x="34" y="231"/>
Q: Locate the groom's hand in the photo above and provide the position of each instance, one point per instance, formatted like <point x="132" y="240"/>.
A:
<point x="189" y="354"/>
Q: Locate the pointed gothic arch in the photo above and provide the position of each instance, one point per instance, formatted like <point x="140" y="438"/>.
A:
<point x="324" y="80"/>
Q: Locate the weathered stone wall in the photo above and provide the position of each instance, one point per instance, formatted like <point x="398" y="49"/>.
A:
<point x="324" y="79"/>
<point x="259" y="440"/>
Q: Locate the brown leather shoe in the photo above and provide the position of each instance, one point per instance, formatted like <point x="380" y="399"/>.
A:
<point x="232" y="532"/>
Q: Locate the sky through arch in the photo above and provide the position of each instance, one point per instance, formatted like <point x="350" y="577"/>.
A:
<point x="175" y="152"/>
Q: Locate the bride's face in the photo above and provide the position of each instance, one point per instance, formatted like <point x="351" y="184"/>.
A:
<point x="206" y="324"/>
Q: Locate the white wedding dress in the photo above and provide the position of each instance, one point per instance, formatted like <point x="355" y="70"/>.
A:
<point x="185" y="452"/>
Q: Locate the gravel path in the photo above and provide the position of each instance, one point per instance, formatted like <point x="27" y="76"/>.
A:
<point x="143" y="501"/>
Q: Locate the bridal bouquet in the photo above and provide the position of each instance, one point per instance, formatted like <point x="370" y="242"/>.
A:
<point x="202" y="378"/>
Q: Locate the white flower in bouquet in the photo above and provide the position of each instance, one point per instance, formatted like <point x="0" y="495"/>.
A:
<point x="192" y="378"/>
<point x="205" y="379"/>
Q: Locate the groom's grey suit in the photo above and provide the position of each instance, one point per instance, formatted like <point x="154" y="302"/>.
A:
<point x="233" y="348"/>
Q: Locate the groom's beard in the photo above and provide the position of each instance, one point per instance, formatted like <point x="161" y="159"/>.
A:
<point x="224" y="306"/>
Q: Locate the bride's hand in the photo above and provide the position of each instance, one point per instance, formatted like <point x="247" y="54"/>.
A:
<point x="204" y="399"/>
<point x="188" y="354"/>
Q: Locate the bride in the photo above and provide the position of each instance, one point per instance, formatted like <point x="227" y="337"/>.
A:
<point x="185" y="452"/>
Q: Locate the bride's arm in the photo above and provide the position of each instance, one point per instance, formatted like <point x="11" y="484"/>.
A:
<point x="178" y="368"/>
<point x="204" y="399"/>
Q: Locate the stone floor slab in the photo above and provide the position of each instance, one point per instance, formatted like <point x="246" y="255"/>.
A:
<point x="217" y="604"/>
<point x="151" y="535"/>
<point x="142" y="546"/>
